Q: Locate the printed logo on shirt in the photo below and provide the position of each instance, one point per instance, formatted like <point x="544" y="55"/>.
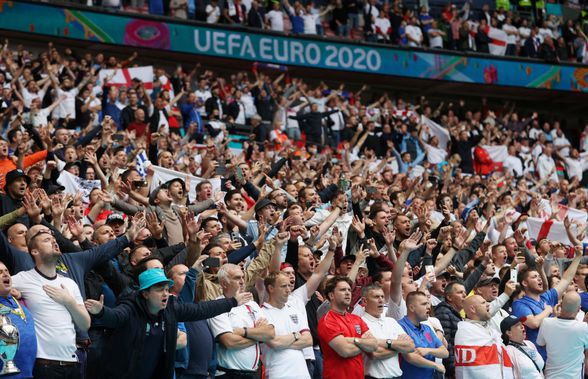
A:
<point x="61" y="267"/>
<point x="358" y="329"/>
<point x="428" y="337"/>
<point x="294" y="318"/>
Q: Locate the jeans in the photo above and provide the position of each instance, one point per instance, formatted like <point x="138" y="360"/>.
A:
<point x="42" y="371"/>
<point x="94" y="362"/>
<point x="294" y="133"/>
<point x="310" y="366"/>
<point x="343" y="30"/>
<point x="318" y="364"/>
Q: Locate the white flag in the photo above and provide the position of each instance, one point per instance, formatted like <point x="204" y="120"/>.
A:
<point x="123" y="77"/>
<point x="552" y="230"/>
<point x="74" y="184"/>
<point x="162" y="175"/>
<point x="497" y="45"/>
<point x="436" y="130"/>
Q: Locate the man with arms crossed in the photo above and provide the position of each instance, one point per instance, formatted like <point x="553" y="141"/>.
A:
<point x="282" y="355"/>
<point x="392" y="340"/>
<point x="343" y="336"/>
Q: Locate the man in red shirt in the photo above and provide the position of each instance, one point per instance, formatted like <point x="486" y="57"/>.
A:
<point x="343" y="336"/>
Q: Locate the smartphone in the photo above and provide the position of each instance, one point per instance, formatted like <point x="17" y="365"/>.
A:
<point x="235" y="236"/>
<point x="211" y="262"/>
<point x="431" y="268"/>
<point x="371" y="190"/>
<point x="221" y="170"/>
<point x="239" y="174"/>
<point x="139" y="183"/>
<point x="514" y="274"/>
<point x="117" y="137"/>
<point x="343" y="184"/>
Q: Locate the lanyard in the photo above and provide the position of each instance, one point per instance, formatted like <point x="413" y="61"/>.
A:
<point x="19" y="312"/>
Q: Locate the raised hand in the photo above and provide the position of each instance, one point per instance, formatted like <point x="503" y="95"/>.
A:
<point x="243" y="297"/>
<point x="358" y="225"/>
<point x="31" y="207"/>
<point x="75" y="227"/>
<point x="154" y="225"/>
<point x="138" y="223"/>
<point x="94" y="307"/>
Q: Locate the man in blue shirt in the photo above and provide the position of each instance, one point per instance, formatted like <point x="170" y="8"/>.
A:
<point x="536" y="304"/>
<point x="421" y="364"/>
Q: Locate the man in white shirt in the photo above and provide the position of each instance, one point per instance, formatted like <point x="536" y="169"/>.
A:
<point x="565" y="340"/>
<point x="512" y="163"/>
<point x="212" y="12"/>
<point x="275" y="18"/>
<point x="392" y="340"/>
<point x="576" y="164"/>
<point x="238" y="332"/>
<point x="57" y="306"/>
<point x="546" y="164"/>
<point x="282" y="355"/>
<point x="414" y="33"/>
<point x="67" y="107"/>
<point x="511" y="36"/>
<point x="488" y="289"/>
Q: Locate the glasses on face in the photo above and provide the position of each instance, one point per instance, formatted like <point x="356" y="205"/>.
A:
<point x="48" y="231"/>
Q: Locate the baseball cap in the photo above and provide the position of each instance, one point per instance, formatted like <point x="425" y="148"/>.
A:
<point x="114" y="218"/>
<point x="53" y="189"/>
<point x="155" y="192"/>
<point x="509" y="322"/>
<point x="15" y="174"/>
<point x="169" y="183"/>
<point x="487" y="282"/>
<point x="151" y="277"/>
<point x="263" y="203"/>
<point x="344" y="258"/>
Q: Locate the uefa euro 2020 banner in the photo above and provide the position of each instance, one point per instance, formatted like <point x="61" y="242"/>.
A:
<point x="121" y="29"/>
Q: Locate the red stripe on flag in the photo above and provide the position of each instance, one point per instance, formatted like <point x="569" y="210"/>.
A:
<point x="544" y="231"/>
<point x="497" y="42"/>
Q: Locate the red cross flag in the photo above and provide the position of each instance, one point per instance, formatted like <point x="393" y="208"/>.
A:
<point x="497" y="45"/>
<point x="123" y="77"/>
<point x="550" y="229"/>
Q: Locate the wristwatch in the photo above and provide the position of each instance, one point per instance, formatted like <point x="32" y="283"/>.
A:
<point x="389" y="344"/>
<point x="355" y="342"/>
<point x="296" y="336"/>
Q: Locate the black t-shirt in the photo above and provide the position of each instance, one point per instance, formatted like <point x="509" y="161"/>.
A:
<point x="152" y="351"/>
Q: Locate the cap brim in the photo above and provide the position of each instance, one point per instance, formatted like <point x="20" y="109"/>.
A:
<point x="148" y="285"/>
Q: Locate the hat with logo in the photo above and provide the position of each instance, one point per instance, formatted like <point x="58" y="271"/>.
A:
<point x="115" y="218"/>
<point x="509" y="322"/>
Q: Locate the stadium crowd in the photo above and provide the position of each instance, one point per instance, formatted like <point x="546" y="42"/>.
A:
<point x="547" y="36"/>
<point x="345" y="237"/>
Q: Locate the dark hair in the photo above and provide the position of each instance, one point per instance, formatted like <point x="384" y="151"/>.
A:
<point x="379" y="275"/>
<point x="11" y="134"/>
<point x="524" y="274"/>
<point x="229" y="195"/>
<point x="332" y="283"/>
<point x="125" y="175"/>
<point x="142" y="265"/>
<point x="199" y="185"/>
<point x="207" y="220"/>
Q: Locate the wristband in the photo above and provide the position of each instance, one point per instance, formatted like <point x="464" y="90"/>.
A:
<point x="244" y="332"/>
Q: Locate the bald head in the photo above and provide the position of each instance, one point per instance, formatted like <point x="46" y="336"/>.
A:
<point x="570" y="304"/>
<point x="476" y="308"/>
